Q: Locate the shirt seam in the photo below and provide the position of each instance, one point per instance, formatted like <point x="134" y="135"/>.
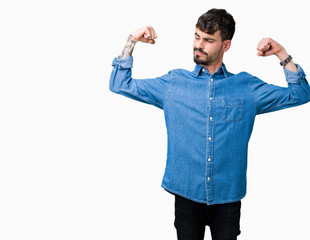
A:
<point x="146" y="98"/>
<point x="120" y="67"/>
<point x="280" y="105"/>
<point x="171" y="87"/>
<point x="251" y="93"/>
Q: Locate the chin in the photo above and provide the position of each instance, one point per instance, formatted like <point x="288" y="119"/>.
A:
<point x="200" y="61"/>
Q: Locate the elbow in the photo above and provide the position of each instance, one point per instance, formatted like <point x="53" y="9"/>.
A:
<point x="303" y="95"/>
<point x="113" y="87"/>
<point x="305" y="91"/>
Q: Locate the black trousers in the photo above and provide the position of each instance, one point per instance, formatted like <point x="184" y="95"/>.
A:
<point x="191" y="218"/>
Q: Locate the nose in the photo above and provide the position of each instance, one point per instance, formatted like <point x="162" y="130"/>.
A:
<point x="199" y="44"/>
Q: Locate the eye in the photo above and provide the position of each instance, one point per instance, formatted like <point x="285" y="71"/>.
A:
<point x="209" y="40"/>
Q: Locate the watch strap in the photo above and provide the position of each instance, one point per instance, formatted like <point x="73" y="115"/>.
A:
<point x="286" y="61"/>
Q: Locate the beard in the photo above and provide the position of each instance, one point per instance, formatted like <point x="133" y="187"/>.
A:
<point x="202" y="59"/>
<point x="206" y="59"/>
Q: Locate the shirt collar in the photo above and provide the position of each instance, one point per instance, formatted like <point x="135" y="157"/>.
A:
<point x="198" y="71"/>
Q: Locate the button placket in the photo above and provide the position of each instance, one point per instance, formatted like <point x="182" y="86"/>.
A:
<point x="210" y="140"/>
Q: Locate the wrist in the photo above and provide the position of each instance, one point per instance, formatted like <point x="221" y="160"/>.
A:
<point x="282" y="55"/>
<point x="132" y="39"/>
<point x="129" y="46"/>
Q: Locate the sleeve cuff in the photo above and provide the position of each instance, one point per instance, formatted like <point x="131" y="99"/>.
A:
<point x="124" y="63"/>
<point x="294" y="77"/>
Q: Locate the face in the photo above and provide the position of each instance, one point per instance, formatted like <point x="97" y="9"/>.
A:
<point x="209" y="49"/>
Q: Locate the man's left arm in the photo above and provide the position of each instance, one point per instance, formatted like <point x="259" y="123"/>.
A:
<point x="267" y="47"/>
<point x="268" y="97"/>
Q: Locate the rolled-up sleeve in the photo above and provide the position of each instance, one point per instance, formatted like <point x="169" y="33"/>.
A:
<point x="153" y="91"/>
<point x="269" y="98"/>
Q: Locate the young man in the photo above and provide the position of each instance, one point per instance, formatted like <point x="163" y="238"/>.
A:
<point x="209" y="115"/>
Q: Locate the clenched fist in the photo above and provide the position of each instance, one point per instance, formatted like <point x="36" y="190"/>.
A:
<point x="145" y="34"/>
<point x="268" y="46"/>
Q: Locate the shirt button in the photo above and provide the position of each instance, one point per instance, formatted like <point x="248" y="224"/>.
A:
<point x="209" y="159"/>
<point x="209" y="178"/>
<point x="210" y="138"/>
<point x="210" y="98"/>
<point x="211" y="79"/>
<point x="211" y="118"/>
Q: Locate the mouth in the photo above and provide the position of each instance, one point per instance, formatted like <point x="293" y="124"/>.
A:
<point x="199" y="52"/>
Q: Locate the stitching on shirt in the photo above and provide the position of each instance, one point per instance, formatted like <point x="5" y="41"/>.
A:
<point x="284" y="104"/>
<point x="171" y="86"/>
<point x="226" y="103"/>
<point x="251" y="93"/>
<point x="181" y="194"/>
<point x="273" y="107"/>
<point x="146" y="98"/>
<point x="212" y="145"/>
<point x="202" y="201"/>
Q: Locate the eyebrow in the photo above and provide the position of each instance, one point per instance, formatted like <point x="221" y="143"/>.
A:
<point x="206" y="38"/>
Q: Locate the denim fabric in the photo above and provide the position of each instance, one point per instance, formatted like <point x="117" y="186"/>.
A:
<point x="209" y="121"/>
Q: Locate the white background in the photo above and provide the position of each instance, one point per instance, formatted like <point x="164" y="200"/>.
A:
<point x="79" y="162"/>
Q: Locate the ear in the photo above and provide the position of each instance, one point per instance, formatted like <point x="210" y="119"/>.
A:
<point x="226" y="45"/>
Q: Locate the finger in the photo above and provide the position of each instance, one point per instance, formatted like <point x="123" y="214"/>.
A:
<point x="147" y="40"/>
<point x="260" y="53"/>
<point x="263" y="45"/>
<point x="146" y="34"/>
<point x="154" y="34"/>
<point x="151" y="32"/>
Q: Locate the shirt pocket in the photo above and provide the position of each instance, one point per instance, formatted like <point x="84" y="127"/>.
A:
<point x="232" y="109"/>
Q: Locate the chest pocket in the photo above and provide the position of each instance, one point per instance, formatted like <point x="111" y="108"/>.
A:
<point x="232" y="109"/>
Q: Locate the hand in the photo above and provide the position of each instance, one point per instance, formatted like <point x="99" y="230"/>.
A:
<point x="268" y="46"/>
<point x="145" y="34"/>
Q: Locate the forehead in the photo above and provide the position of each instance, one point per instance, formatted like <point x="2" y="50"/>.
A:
<point x="216" y="35"/>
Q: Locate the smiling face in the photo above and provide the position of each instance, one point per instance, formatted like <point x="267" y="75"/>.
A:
<point x="209" y="49"/>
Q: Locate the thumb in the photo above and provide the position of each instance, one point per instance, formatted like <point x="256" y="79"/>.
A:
<point x="147" y="40"/>
<point x="260" y="53"/>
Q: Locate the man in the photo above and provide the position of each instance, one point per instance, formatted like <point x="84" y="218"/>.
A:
<point x="209" y="115"/>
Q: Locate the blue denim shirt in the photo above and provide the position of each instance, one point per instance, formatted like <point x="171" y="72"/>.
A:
<point x="209" y="121"/>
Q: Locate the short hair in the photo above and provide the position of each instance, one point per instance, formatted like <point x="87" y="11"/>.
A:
<point x="217" y="19"/>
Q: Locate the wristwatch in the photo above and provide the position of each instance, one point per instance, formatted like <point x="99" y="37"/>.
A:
<point x="286" y="61"/>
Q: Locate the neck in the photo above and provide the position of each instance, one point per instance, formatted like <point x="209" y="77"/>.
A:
<point x="213" y="68"/>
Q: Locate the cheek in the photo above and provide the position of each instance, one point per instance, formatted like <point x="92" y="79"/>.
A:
<point x="212" y="50"/>
<point x="196" y="43"/>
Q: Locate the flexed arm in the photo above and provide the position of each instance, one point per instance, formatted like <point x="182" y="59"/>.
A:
<point x="145" y="34"/>
<point x="268" y="46"/>
<point x="152" y="90"/>
<point x="269" y="97"/>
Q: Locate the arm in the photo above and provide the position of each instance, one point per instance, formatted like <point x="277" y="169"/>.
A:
<point x="146" y="34"/>
<point x="268" y="97"/>
<point x="267" y="47"/>
<point x="152" y="91"/>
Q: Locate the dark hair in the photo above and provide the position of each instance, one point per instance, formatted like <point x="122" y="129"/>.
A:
<point x="217" y="19"/>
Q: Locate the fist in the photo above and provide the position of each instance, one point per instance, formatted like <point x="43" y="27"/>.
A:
<point x="145" y="34"/>
<point x="268" y="46"/>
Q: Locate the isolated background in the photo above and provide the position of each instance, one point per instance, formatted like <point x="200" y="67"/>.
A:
<point x="79" y="162"/>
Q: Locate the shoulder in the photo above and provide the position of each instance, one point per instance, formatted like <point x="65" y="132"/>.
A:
<point x="244" y="75"/>
<point x="179" y="71"/>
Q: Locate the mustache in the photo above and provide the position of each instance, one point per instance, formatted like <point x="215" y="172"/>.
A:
<point x="200" y="50"/>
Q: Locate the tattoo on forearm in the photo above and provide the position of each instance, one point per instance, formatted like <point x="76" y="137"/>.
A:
<point x="129" y="46"/>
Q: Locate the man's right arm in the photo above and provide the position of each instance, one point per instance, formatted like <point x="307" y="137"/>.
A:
<point x="146" y="34"/>
<point x="154" y="90"/>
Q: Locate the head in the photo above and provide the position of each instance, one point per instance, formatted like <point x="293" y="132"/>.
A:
<point x="214" y="32"/>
